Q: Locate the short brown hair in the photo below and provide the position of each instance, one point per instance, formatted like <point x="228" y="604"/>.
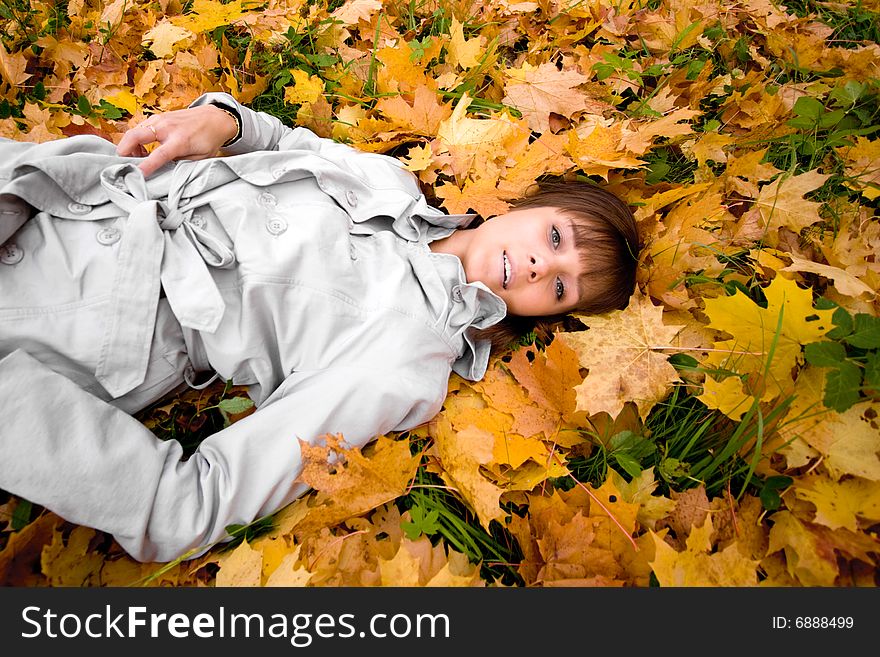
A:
<point x="606" y="237"/>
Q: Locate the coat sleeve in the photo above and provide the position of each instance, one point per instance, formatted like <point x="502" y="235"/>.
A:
<point x="94" y="465"/>
<point x="264" y="132"/>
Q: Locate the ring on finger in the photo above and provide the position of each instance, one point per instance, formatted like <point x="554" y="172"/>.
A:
<point x="153" y="130"/>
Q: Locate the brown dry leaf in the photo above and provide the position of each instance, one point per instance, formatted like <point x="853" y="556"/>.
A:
<point x="782" y="202"/>
<point x="418" y="563"/>
<point x="536" y="91"/>
<point x="568" y="539"/>
<point x="621" y="350"/>
<point x="20" y="558"/>
<point x="357" y="481"/>
<point x="812" y="551"/>
<point x="421" y="117"/>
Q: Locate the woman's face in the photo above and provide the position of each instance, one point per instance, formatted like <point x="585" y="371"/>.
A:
<point x="528" y="258"/>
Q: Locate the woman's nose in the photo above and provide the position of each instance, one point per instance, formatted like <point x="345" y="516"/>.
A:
<point x="537" y="268"/>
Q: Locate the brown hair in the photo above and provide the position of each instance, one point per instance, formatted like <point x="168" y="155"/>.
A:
<point x="606" y="237"/>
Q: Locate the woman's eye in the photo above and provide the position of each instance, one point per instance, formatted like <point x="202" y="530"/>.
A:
<point x="555" y="236"/>
<point x="560" y="289"/>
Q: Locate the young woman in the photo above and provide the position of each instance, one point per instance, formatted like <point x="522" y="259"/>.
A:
<point x="315" y="274"/>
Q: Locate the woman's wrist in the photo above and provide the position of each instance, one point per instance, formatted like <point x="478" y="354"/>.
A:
<point x="233" y="127"/>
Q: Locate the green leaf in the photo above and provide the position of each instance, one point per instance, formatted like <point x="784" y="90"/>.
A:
<point x="830" y="119"/>
<point x="843" y="324"/>
<point x="808" y="108"/>
<point x="769" y="494"/>
<point x="866" y="332"/>
<point x="683" y="361"/>
<point x="672" y="469"/>
<point x="423" y="522"/>
<point x="848" y="94"/>
<point x="872" y="372"/>
<point x="627" y="463"/>
<point x="83" y="105"/>
<point x="825" y="354"/>
<point x="842" y="387"/>
<point x="21" y="516"/>
<point x="235" y="405"/>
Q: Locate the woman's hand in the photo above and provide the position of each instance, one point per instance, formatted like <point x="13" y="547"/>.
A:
<point x="193" y="133"/>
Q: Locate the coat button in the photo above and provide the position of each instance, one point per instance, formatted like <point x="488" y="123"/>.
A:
<point x="268" y="200"/>
<point x="276" y="225"/>
<point x="79" y="208"/>
<point x="108" y="236"/>
<point x="279" y="172"/>
<point x="197" y="221"/>
<point x="351" y="197"/>
<point x="11" y="254"/>
<point x="456" y="294"/>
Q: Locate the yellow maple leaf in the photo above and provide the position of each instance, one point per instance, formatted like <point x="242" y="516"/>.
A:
<point x="207" y="14"/>
<point x="464" y="53"/>
<point x="862" y="166"/>
<point x="697" y="566"/>
<point x="12" y="67"/>
<point x="473" y="142"/>
<point x="640" y="491"/>
<point x="243" y="566"/>
<point x="305" y="89"/>
<point x="479" y="195"/>
<point x="288" y="572"/>
<point x="851" y="442"/>
<point x="461" y="454"/>
<point x="754" y="331"/>
<point x="418" y="563"/>
<point x="124" y="100"/>
<point x="708" y="146"/>
<point x="418" y="158"/>
<point x="782" y="202"/>
<point x="353" y="11"/>
<point x="621" y="349"/>
<point x="600" y="151"/>
<point x="841" y="503"/>
<point x="166" y="39"/>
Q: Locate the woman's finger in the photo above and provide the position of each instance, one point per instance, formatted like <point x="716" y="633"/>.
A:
<point x="158" y="158"/>
<point x="133" y="141"/>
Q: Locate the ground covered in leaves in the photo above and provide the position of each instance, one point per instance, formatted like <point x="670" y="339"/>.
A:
<point x="722" y="430"/>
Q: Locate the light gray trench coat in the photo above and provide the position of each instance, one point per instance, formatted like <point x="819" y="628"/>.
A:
<point x="294" y="265"/>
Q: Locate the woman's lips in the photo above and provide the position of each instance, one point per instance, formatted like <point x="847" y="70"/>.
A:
<point x="506" y="270"/>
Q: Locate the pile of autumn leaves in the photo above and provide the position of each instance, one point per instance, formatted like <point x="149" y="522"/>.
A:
<point x="441" y="97"/>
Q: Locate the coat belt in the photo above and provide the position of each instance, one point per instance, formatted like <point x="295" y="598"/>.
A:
<point x="157" y="245"/>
